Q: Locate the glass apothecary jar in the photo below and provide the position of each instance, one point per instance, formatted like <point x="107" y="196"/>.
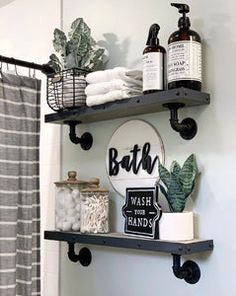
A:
<point x="94" y="208"/>
<point x="68" y="203"/>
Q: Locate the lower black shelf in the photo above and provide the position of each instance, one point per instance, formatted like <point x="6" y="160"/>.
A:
<point x="189" y="271"/>
<point x="122" y="241"/>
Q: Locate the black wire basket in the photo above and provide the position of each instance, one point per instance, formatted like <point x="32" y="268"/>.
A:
<point x="65" y="90"/>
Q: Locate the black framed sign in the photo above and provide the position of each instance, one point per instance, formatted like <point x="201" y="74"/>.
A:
<point x="142" y="212"/>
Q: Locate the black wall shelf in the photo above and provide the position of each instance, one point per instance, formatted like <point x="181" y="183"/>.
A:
<point x="128" y="107"/>
<point x="154" y="102"/>
<point x="123" y="241"/>
<point x="176" y="249"/>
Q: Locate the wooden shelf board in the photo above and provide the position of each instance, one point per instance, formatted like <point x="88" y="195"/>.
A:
<point x="123" y="241"/>
<point x="133" y="106"/>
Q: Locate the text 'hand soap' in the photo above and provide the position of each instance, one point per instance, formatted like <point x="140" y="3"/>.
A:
<point x="184" y="54"/>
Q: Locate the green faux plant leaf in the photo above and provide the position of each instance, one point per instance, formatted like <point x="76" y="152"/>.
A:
<point x="164" y="174"/>
<point x="70" y="61"/>
<point x="79" y="51"/>
<point x="175" y="168"/>
<point x="188" y="174"/>
<point x="95" y="59"/>
<point x="78" y="27"/>
<point x="163" y="190"/>
<point x="59" y="41"/>
<point x="54" y="62"/>
<point x="176" y="196"/>
<point x="179" y="182"/>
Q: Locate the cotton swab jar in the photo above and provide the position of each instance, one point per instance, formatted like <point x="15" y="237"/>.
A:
<point x="94" y="208"/>
<point x="68" y="203"/>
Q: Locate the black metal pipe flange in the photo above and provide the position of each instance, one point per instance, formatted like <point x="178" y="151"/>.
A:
<point x="84" y="257"/>
<point x="189" y="271"/>
<point x="85" y="141"/>
<point x="187" y="128"/>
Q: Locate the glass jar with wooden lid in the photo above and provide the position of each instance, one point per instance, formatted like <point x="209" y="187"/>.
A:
<point x="94" y="208"/>
<point x="68" y="203"/>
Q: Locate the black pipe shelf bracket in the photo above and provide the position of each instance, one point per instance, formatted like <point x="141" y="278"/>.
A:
<point x="187" y="128"/>
<point x="84" y="256"/>
<point x="85" y="141"/>
<point x="189" y="271"/>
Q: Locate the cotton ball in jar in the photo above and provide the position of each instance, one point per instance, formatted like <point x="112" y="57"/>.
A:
<point x="66" y="226"/>
<point x="71" y="212"/>
<point x="78" y="208"/>
<point x="67" y="190"/>
<point x="72" y="220"/>
<point x="76" y="226"/>
<point x="68" y="201"/>
<point x="61" y="213"/>
<point x="60" y="198"/>
<point x="59" y="225"/>
<point x="75" y="194"/>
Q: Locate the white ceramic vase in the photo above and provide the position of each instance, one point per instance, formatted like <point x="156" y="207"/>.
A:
<point x="176" y="226"/>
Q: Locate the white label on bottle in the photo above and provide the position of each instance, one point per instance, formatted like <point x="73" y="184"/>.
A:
<point x="153" y="71"/>
<point x="184" y="61"/>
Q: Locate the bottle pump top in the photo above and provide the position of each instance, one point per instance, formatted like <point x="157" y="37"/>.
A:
<point x="152" y="35"/>
<point x="184" y="21"/>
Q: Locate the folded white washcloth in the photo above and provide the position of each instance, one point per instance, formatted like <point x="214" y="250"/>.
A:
<point x="115" y="84"/>
<point x="115" y="73"/>
<point x="110" y="97"/>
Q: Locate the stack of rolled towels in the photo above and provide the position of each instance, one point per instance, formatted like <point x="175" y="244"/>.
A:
<point x="113" y="84"/>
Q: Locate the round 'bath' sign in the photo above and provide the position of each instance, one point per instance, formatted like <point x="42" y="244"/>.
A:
<point x="132" y="156"/>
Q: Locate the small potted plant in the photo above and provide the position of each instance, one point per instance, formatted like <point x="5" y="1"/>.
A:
<point x="76" y="55"/>
<point x="177" y="185"/>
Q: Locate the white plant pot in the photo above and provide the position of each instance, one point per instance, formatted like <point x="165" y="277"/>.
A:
<point x="176" y="226"/>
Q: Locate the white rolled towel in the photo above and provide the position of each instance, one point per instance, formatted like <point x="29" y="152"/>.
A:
<point x="115" y="84"/>
<point x="115" y="73"/>
<point x="110" y="97"/>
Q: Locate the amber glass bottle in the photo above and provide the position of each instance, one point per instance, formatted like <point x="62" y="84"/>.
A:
<point x="153" y="63"/>
<point x="184" y="54"/>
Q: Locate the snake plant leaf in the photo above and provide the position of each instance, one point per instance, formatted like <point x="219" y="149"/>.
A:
<point x="176" y="196"/>
<point x="164" y="174"/>
<point x="179" y="182"/>
<point x="188" y="174"/>
<point x="59" y="41"/>
<point x="175" y="168"/>
<point x="163" y="191"/>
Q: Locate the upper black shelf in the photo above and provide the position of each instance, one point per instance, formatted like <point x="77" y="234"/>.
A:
<point x="134" y="106"/>
<point x="122" y="241"/>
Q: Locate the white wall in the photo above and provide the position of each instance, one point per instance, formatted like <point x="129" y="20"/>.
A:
<point x="26" y="33"/>
<point x="126" y="272"/>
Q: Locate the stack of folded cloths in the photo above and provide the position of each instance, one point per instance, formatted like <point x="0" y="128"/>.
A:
<point x="113" y="84"/>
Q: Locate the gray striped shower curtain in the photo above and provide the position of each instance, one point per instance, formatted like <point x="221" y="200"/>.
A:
<point x="19" y="186"/>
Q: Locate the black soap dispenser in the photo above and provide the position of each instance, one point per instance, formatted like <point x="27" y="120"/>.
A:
<point x="153" y="62"/>
<point x="184" y="54"/>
